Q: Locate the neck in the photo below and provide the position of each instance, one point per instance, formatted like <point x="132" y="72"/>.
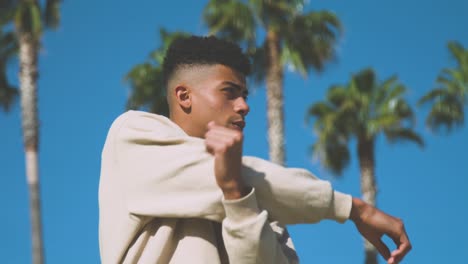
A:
<point x="186" y="124"/>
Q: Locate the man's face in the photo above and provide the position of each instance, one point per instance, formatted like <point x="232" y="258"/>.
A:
<point x="218" y="94"/>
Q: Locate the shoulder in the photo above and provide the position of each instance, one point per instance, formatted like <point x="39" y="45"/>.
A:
<point x="138" y="123"/>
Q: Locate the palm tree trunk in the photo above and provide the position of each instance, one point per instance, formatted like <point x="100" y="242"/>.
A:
<point x="274" y="83"/>
<point x="368" y="186"/>
<point x="28" y="86"/>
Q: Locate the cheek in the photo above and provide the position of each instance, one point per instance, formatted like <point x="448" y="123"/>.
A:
<point x="220" y="110"/>
<point x="212" y="104"/>
<point x="212" y="107"/>
<point x="204" y="109"/>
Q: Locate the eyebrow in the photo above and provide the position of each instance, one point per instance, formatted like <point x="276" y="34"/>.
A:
<point x="238" y="87"/>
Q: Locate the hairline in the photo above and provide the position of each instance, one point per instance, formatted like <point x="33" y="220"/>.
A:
<point x="195" y="65"/>
<point x="188" y="67"/>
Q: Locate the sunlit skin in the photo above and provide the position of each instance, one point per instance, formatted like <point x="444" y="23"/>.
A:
<point x="208" y="93"/>
<point x="209" y="101"/>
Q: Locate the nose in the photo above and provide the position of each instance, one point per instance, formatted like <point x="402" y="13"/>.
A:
<point x="241" y="107"/>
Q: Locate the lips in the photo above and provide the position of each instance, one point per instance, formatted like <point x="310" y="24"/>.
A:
<point x="239" y="125"/>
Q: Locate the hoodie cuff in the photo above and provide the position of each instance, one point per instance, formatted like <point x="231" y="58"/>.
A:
<point x="241" y="209"/>
<point x="340" y="207"/>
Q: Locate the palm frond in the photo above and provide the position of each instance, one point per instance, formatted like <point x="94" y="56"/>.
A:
<point x="365" y="81"/>
<point x="7" y="11"/>
<point x="337" y="95"/>
<point x="8" y="45"/>
<point x="363" y="108"/>
<point x="451" y="96"/>
<point x="294" y="59"/>
<point x="52" y="13"/>
<point x="447" y="113"/>
<point x="147" y="89"/>
<point x="319" y="110"/>
<point x="375" y="125"/>
<point x="8" y="93"/>
<point x="456" y="50"/>
<point x="391" y="91"/>
<point x="27" y="18"/>
<point x="403" y="110"/>
<point x="310" y="39"/>
<point x="275" y="14"/>
<point x="231" y="20"/>
<point x="403" y="134"/>
<point x="386" y="86"/>
<point x="332" y="153"/>
<point x="8" y="49"/>
<point x="432" y="95"/>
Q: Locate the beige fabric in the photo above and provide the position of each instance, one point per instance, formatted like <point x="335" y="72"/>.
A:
<point x="159" y="202"/>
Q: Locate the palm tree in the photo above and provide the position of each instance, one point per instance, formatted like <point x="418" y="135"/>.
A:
<point x="30" y="17"/>
<point x="292" y="37"/>
<point x="8" y="48"/>
<point x="451" y="96"/>
<point x="362" y="109"/>
<point x="147" y="88"/>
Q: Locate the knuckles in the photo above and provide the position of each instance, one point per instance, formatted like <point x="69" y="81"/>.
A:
<point x="399" y="224"/>
<point x="239" y="137"/>
<point x="223" y="144"/>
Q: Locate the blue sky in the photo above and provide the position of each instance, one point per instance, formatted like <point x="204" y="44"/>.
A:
<point x="82" y="66"/>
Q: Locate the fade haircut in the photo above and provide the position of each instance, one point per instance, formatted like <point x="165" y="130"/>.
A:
<point x="196" y="50"/>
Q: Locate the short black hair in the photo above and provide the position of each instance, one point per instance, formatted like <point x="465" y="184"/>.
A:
<point x="198" y="50"/>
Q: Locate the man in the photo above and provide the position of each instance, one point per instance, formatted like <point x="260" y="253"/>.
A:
<point x="179" y="191"/>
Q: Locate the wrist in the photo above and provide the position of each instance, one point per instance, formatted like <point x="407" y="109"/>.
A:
<point x="234" y="190"/>
<point x="358" y="210"/>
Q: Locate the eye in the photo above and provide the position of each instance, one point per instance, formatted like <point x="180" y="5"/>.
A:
<point x="229" y="89"/>
<point x="233" y="92"/>
<point x="230" y="92"/>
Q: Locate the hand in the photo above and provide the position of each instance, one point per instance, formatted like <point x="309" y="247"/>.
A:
<point x="226" y="146"/>
<point x="373" y="224"/>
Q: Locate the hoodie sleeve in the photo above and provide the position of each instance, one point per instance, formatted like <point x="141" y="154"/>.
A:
<point x="169" y="174"/>
<point x="250" y="239"/>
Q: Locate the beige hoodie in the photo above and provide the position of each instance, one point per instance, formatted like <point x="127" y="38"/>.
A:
<point x="159" y="202"/>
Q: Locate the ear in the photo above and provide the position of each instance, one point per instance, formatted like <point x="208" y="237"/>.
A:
<point x="183" y="97"/>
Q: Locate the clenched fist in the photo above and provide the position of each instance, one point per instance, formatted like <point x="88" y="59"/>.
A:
<point x="225" y="145"/>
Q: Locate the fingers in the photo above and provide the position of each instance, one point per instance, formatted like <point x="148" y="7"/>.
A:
<point x="213" y="145"/>
<point x="226" y="146"/>
<point x="382" y="248"/>
<point x="219" y="139"/>
<point x="397" y="255"/>
<point x="403" y="247"/>
<point x="224" y="134"/>
<point x="216" y="142"/>
<point x="213" y="128"/>
<point x="401" y="241"/>
<point x="378" y="223"/>
<point x="211" y="124"/>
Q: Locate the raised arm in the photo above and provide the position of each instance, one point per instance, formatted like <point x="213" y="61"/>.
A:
<point x="158" y="163"/>
<point x="247" y="234"/>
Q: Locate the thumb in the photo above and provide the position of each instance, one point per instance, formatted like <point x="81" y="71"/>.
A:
<point x="211" y="124"/>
